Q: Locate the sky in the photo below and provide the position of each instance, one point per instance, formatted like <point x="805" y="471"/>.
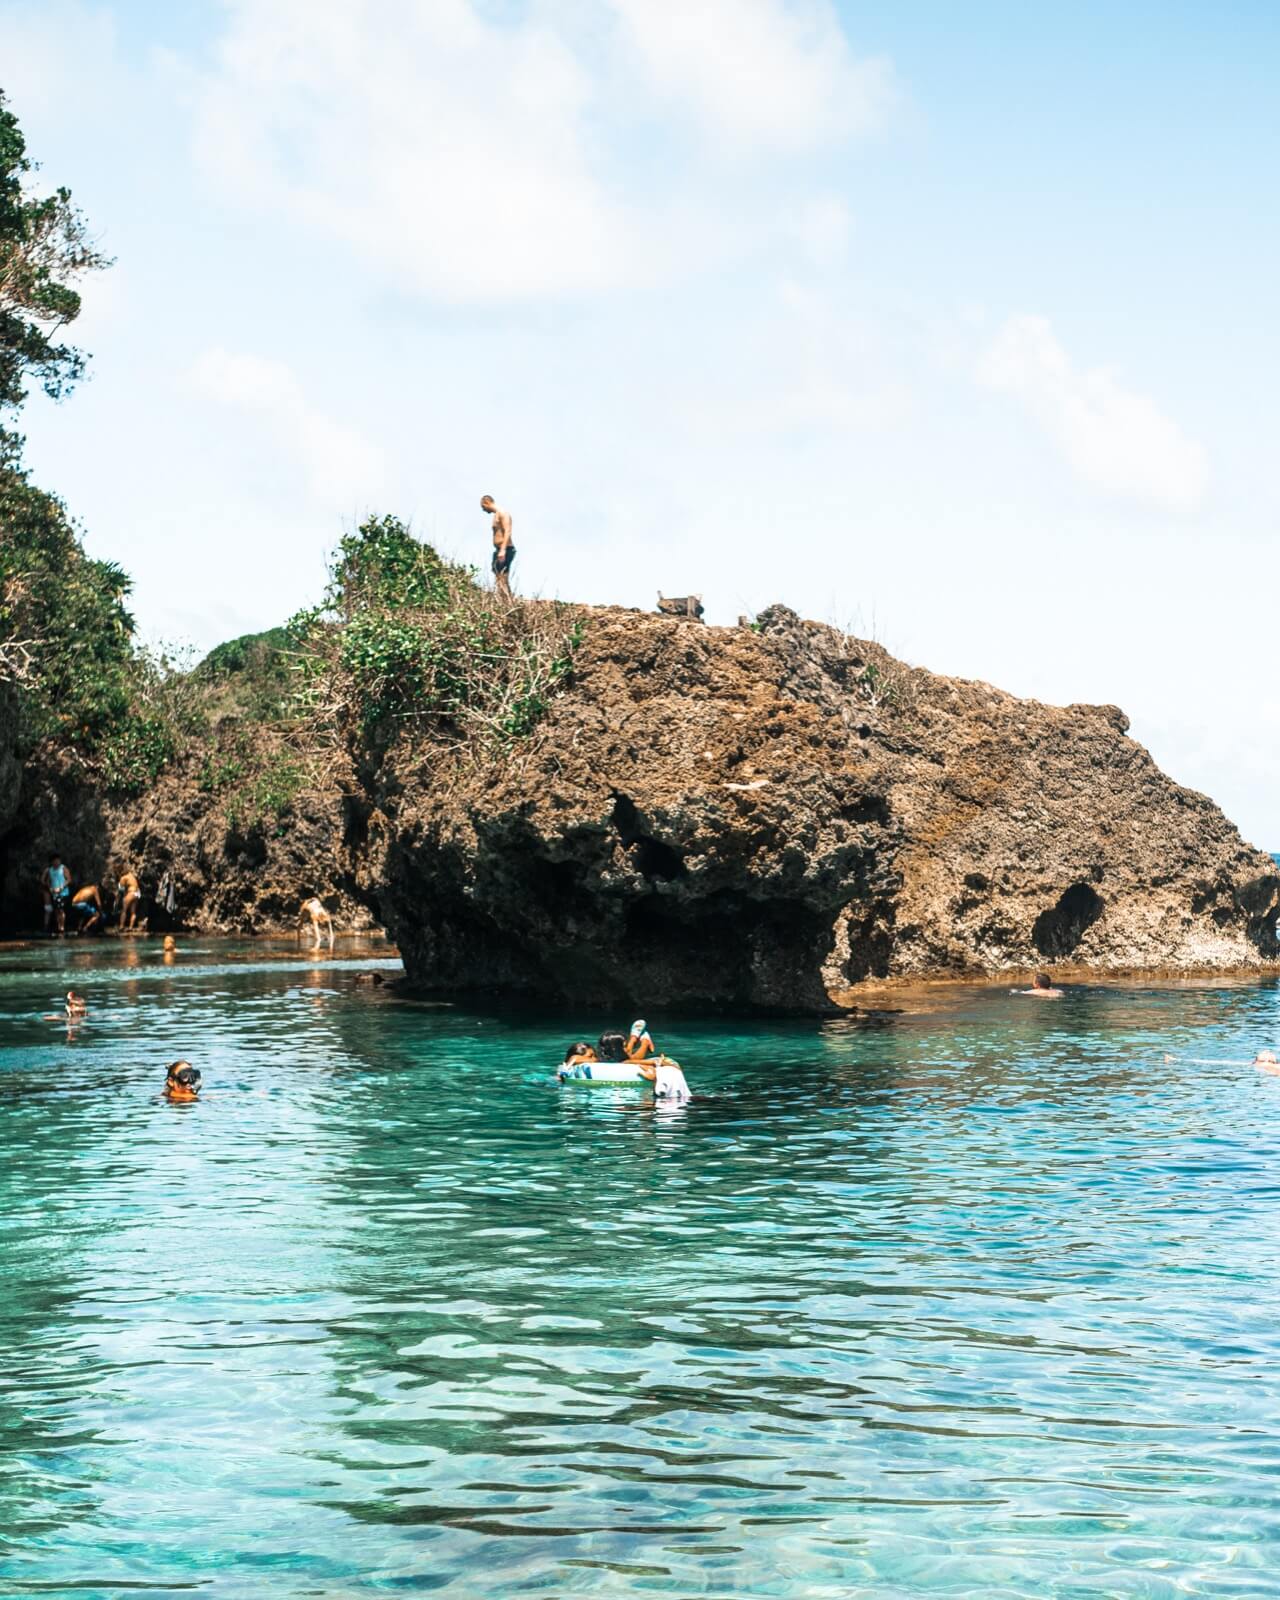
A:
<point x="955" y="326"/>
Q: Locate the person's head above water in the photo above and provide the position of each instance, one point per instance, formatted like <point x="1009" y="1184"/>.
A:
<point x="612" y="1046"/>
<point x="581" y="1051"/>
<point x="1042" y="980"/>
<point x="170" y="943"/>
<point x="1265" y="1058"/>
<point x="182" y="1081"/>
<point x="76" y="1002"/>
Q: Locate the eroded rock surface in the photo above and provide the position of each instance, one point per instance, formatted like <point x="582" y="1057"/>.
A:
<point x="767" y="817"/>
<point x="754" y="817"/>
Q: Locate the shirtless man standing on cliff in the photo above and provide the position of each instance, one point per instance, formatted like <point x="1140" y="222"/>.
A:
<point x="504" y="552"/>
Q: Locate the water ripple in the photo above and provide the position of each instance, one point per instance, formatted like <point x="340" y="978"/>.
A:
<point x="973" y="1303"/>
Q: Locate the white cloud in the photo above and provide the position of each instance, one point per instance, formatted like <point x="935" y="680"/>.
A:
<point x="1113" y="437"/>
<point x="772" y="73"/>
<point x="443" y="147"/>
<point x="341" y="466"/>
<point x="478" y="159"/>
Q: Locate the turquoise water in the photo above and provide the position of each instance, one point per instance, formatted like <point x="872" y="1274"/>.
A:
<point x="978" y="1302"/>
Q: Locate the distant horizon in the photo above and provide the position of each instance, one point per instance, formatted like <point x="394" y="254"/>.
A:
<point x="959" y="333"/>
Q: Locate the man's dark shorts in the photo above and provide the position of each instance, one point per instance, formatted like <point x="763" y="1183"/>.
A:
<point x="502" y="559"/>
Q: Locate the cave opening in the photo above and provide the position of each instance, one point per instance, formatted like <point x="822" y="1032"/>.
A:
<point x="651" y="857"/>
<point x="1058" y="931"/>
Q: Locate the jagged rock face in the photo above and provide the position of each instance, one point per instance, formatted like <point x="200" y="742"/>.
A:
<point x="1034" y="835"/>
<point x="764" y="819"/>
<point x="246" y="879"/>
<point x="684" y="831"/>
<point x="225" y="879"/>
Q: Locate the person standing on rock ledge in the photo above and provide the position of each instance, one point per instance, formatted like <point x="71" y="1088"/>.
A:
<point x="504" y="552"/>
<point x="321" y="922"/>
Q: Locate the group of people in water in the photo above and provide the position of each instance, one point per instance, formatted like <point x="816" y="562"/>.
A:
<point x="84" y="904"/>
<point x="631" y="1049"/>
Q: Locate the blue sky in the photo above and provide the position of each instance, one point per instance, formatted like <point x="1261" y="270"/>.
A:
<point x="955" y="326"/>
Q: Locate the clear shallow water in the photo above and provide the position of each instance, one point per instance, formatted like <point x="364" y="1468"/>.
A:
<point x="981" y="1302"/>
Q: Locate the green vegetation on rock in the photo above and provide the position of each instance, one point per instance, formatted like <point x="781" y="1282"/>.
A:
<point x="405" y="638"/>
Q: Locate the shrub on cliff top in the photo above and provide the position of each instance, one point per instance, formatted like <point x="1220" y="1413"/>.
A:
<point x="405" y="637"/>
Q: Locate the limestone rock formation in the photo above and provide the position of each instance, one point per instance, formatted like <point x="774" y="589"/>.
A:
<point x="767" y="817"/>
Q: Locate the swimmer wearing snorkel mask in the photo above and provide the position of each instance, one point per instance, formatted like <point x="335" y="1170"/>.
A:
<point x="182" y="1084"/>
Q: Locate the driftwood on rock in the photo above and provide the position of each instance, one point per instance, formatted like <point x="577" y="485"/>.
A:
<point x="685" y="605"/>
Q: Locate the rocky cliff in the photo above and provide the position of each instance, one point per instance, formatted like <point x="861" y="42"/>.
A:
<point x="769" y="816"/>
<point x="757" y="817"/>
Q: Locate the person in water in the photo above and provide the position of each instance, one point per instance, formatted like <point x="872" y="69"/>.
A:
<point x="320" y="920"/>
<point x="611" y="1047"/>
<point x="579" y="1054"/>
<point x="1265" y="1061"/>
<point x="504" y="552"/>
<point x="77" y="1006"/>
<point x="86" y="904"/>
<point x="56" y="880"/>
<point x="129" y="900"/>
<point x="182" y="1082"/>
<point x="639" y="1046"/>
<point x="669" y="1082"/>
<point x="1042" y="987"/>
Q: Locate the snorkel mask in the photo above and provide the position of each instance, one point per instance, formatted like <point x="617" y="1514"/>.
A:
<point x="184" y="1084"/>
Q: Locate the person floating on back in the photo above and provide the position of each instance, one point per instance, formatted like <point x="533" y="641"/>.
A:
<point x="320" y="920"/>
<point x="504" y="552"/>
<point x="182" y="1083"/>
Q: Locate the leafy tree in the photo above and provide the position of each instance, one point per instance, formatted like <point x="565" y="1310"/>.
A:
<point x="66" y="639"/>
<point x="44" y="247"/>
<point x="65" y="634"/>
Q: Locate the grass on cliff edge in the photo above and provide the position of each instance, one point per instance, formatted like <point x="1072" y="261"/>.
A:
<point x="407" y="640"/>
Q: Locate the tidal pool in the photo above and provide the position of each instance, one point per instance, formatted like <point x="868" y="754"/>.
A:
<point x="981" y="1301"/>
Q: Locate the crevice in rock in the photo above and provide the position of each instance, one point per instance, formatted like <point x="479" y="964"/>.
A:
<point x="650" y="857"/>
<point x="1059" y="930"/>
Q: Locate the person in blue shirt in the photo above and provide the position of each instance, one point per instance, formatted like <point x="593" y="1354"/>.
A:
<point x="56" y="882"/>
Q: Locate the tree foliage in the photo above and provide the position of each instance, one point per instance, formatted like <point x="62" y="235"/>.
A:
<point x="44" y="248"/>
<point x="65" y="634"/>
<point x="66" y="637"/>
